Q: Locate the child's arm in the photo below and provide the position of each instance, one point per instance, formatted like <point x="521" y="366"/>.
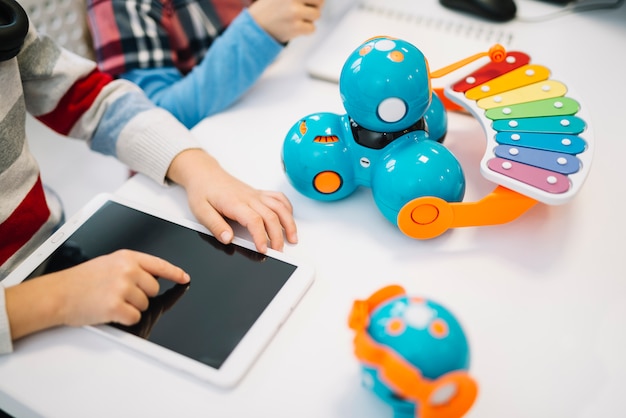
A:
<point x="234" y="61"/>
<point x="110" y="288"/>
<point x="231" y="66"/>
<point x="69" y="94"/>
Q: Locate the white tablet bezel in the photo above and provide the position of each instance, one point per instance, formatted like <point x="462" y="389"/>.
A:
<point x="250" y="346"/>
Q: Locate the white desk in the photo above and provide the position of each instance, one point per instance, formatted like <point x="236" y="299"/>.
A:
<point x="542" y="299"/>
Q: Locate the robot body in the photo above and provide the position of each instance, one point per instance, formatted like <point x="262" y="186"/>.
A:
<point x="414" y="354"/>
<point x="388" y="140"/>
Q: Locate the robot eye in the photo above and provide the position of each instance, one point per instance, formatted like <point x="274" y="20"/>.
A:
<point x="392" y="109"/>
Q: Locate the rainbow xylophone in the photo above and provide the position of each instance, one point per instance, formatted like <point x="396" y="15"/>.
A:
<point x="539" y="147"/>
<point x="537" y="144"/>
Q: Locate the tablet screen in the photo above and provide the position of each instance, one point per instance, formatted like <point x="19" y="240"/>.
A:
<point x="204" y="320"/>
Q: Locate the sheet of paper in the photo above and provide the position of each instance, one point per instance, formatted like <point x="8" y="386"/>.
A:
<point x="443" y="37"/>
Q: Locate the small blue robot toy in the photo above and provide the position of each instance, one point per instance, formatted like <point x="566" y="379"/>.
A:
<point x="414" y="355"/>
<point x="389" y="140"/>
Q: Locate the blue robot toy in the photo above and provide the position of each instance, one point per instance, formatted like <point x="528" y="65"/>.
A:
<point x="414" y="355"/>
<point x="390" y="139"/>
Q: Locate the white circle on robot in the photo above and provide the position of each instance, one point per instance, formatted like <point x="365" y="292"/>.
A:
<point x="392" y="109"/>
<point x="385" y="45"/>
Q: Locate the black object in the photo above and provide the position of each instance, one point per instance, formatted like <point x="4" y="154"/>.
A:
<point x="13" y="29"/>
<point x="495" y="10"/>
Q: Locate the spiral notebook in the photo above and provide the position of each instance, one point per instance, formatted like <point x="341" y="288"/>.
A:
<point x="443" y="36"/>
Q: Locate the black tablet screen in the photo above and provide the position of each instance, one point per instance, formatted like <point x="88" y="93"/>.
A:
<point x="205" y="320"/>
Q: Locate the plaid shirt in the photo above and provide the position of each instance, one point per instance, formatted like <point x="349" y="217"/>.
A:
<point x="132" y="34"/>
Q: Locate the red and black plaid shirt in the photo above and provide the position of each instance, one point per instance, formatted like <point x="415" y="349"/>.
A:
<point x="132" y="34"/>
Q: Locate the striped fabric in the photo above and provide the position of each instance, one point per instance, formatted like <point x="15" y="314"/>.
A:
<point x="137" y="34"/>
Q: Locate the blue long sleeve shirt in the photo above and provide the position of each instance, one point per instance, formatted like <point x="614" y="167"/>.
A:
<point x="233" y="63"/>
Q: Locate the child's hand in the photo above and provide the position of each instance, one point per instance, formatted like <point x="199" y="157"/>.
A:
<point x="286" y="19"/>
<point x="213" y="193"/>
<point x="110" y="288"/>
<point x="115" y="287"/>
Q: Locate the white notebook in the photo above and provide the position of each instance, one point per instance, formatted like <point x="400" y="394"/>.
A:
<point x="443" y="36"/>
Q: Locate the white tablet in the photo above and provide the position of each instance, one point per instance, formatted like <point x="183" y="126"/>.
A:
<point x="214" y="327"/>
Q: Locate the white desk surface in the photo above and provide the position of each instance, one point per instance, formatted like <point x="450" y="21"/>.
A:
<point x="542" y="299"/>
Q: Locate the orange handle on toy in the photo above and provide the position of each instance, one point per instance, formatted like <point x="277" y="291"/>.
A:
<point x="496" y="53"/>
<point x="428" y="217"/>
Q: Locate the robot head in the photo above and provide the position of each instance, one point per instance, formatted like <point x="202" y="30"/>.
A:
<point x="385" y="85"/>
<point x="414" y="354"/>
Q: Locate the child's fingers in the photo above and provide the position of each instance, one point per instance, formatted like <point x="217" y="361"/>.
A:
<point x="158" y="267"/>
